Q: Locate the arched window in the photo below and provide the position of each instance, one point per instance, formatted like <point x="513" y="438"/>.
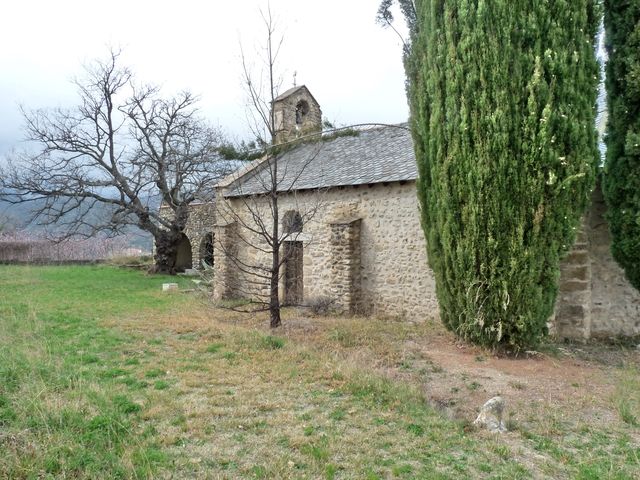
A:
<point x="292" y="222"/>
<point x="302" y="108"/>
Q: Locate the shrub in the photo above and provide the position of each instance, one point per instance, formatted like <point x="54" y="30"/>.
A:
<point x="320" y="305"/>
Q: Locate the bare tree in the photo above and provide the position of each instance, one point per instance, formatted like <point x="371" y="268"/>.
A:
<point x="106" y="164"/>
<point x="258" y="250"/>
<point x="256" y="211"/>
<point x="385" y="17"/>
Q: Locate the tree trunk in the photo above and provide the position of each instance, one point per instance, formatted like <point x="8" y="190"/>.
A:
<point x="274" y="302"/>
<point x="274" y="298"/>
<point x="166" y="252"/>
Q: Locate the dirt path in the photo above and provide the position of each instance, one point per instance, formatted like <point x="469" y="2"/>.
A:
<point x="468" y="376"/>
<point x="571" y="384"/>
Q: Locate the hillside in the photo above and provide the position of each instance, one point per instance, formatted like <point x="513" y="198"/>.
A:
<point x="17" y="217"/>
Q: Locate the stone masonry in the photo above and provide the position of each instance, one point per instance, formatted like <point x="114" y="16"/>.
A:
<point x="572" y="314"/>
<point x="200" y="223"/>
<point x="346" y="285"/>
<point x="595" y="299"/>
<point x="225" y="273"/>
<point x="365" y="250"/>
<point x="296" y="113"/>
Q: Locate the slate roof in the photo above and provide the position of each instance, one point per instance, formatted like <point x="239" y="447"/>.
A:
<point x="374" y="155"/>
<point x="288" y="92"/>
<point x="291" y="91"/>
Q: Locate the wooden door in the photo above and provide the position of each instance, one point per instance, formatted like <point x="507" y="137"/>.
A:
<point x="293" y="279"/>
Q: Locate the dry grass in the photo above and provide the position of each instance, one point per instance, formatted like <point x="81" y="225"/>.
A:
<point x="135" y="384"/>
<point x="627" y="395"/>
<point x="301" y="406"/>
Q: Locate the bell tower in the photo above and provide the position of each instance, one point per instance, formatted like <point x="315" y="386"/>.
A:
<point x="296" y="113"/>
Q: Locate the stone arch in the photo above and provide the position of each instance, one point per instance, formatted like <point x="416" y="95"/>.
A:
<point x="206" y="250"/>
<point x="183" y="255"/>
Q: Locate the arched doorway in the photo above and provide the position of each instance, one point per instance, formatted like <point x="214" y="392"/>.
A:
<point x="183" y="255"/>
<point x="206" y="251"/>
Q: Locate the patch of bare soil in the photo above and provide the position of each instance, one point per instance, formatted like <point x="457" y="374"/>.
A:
<point x="554" y="392"/>
<point x="569" y="382"/>
<point x="468" y="376"/>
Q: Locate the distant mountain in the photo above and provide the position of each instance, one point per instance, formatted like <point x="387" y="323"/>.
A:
<point x="17" y="217"/>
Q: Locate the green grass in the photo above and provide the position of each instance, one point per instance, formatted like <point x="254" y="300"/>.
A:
<point x="102" y="376"/>
<point x="214" y="347"/>
<point x="627" y="396"/>
<point x="272" y="343"/>
<point x="65" y="379"/>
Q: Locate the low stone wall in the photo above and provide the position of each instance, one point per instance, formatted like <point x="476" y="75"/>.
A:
<point x="46" y="262"/>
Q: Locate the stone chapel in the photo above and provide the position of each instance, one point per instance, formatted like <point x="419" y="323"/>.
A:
<point x="361" y="244"/>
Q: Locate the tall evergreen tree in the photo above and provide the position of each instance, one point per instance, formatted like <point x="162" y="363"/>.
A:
<point x="502" y="97"/>
<point x="621" y="180"/>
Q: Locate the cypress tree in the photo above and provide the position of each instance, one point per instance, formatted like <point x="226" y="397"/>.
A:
<point x="621" y="179"/>
<point x="502" y="96"/>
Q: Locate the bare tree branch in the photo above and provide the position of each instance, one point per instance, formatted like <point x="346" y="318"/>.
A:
<point x="107" y="163"/>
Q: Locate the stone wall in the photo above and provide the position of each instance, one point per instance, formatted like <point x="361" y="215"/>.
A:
<point x="596" y="300"/>
<point x="572" y="317"/>
<point x="200" y="223"/>
<point x="346" y="284"/>
<point x="363" y="248"/>
<point x="226" y="274"/>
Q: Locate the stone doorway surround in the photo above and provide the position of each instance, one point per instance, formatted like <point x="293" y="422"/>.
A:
<point x="345" y="250"/>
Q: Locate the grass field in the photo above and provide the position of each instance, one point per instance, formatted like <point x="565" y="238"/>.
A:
<point x="104" y="376"/>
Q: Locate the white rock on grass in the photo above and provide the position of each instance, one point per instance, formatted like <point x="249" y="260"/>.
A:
<point x="490" y="416"/>
<point x="169" y="287"/>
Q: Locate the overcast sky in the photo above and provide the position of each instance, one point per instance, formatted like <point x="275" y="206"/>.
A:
<point x="351" y="65"/>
